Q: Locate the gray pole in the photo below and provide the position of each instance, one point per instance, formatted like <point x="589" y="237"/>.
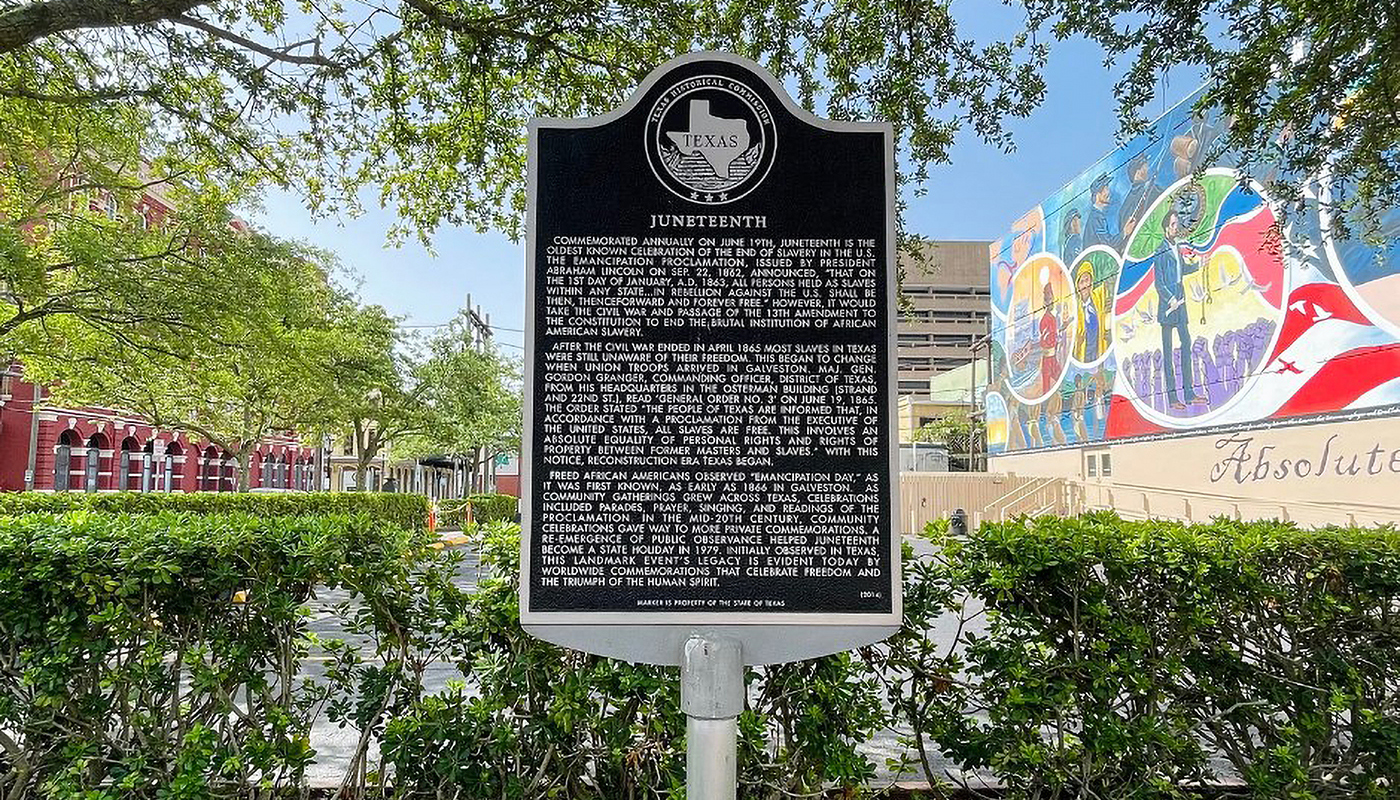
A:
<point x="712" y="695"/>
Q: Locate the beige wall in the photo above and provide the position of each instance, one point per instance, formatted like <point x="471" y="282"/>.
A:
<point x="1266" y="468"/>
<point x="926" y="496"/>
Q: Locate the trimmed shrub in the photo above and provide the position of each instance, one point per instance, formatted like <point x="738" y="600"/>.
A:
<point x="159" y="654"/>
<point x="534" y="720"/>
<point x="168" y="654"/>
<point x="489" y="508"/>
<point x="1119" y="658"/>
<point x="407" y="510"/>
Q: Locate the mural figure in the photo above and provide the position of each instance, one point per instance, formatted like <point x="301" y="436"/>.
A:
<point x="1143" y="192"/>
<point x="1170" y="265"/>
<point x="1091" y="327"/>
<point x="1072" y="236"/>
<point x="1079" y="409"/>
<point x="1097" y="230"/>
<point x="1049" y="341"/>
<point x="1191" y="147"/>
<point x="1051" y="419"/>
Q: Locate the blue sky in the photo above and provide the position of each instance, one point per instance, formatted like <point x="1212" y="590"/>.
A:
<point x="975" y="196"/>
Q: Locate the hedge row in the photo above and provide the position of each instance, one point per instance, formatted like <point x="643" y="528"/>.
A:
<point x="170" y="655"/>
<point x="161" y="654"/>
<point x="1139" y="659"/>
<point x="484" y="509"/>
<point x="408" y="510"/>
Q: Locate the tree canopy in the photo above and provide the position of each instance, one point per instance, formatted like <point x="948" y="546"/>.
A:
<point x="87" y="249"/>
<point x="471" y="392"/>
<point x="1312" y="86"/>
<point x="426" y="100"/>
<point x="447" y="394"/>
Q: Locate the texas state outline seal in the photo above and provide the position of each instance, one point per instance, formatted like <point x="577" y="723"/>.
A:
<point x="710" y="139"/>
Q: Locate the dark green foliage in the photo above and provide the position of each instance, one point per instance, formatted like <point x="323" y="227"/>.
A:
<point x="167" y="653"/>
<point x="1118" y="657"/>
<point x="159" y="653"/>
<point x="488" y="508"/>
<point x="407" y="510"/>
<point x="535" y="720"/>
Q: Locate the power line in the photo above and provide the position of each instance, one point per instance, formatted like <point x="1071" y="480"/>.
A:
<point x="1038" y="406"/>
<point x="479" y="324"/>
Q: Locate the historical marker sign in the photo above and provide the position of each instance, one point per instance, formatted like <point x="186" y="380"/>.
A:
<point x="710" y="441"/>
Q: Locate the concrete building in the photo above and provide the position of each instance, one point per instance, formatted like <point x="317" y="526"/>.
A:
<point x="1156" y="349"/>
<point x="948" y="294"/>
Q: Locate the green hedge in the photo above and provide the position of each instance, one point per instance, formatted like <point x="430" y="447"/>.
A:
<point x="170" y="654"/>
<point x="1128" y="659"/>
<point x="532" y="720"/>
<point x="408" y="510"/>
<point x="489" y="508"/>
<point x="159" y="654"/>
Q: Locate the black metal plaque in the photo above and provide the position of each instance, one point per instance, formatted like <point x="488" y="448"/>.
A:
<point x="709" y="360"/>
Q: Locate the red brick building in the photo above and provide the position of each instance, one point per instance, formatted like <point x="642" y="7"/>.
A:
<point x="102" y="450"/>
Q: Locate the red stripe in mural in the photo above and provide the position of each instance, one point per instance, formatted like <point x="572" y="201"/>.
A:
<point x="1343" y="379"/>
<point x="1310" y="304"/>
<point x="1124" y="420"/>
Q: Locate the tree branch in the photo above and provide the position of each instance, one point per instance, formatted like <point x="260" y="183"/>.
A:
<point x="279" y="55"/>
<point x="23" y="25"/>
<point x="75" y="99"/>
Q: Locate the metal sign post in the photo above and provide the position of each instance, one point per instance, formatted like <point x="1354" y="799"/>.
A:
<point x="709" y="468"/>
<point x="712" y="695"/>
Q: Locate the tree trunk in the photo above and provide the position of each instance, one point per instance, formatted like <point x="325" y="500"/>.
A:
<point x="244" y="478"/>
<point x="362" y="460"/>
<point x="369" y="443"/>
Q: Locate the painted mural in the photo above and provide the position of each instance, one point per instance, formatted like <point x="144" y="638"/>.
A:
<point x="1156" y="293"/>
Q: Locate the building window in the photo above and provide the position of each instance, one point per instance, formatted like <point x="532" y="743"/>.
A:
<point x="90" y="465"/>
<point x="1091" y="465"/>
<point x="109" y="205"/>
<point x="953" y="340"/>
<point x="208" y="470"/>
<point x="63" y="461"/>
<point x="1107" y="468"/>
<point x="127" y="469"/>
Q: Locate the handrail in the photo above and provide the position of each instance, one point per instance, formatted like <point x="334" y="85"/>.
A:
<point x="1006" y="498"/>
<point x="1157" y="502"/>
<point x="1023" y="492"/>
<point x="1026" y="488"/>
